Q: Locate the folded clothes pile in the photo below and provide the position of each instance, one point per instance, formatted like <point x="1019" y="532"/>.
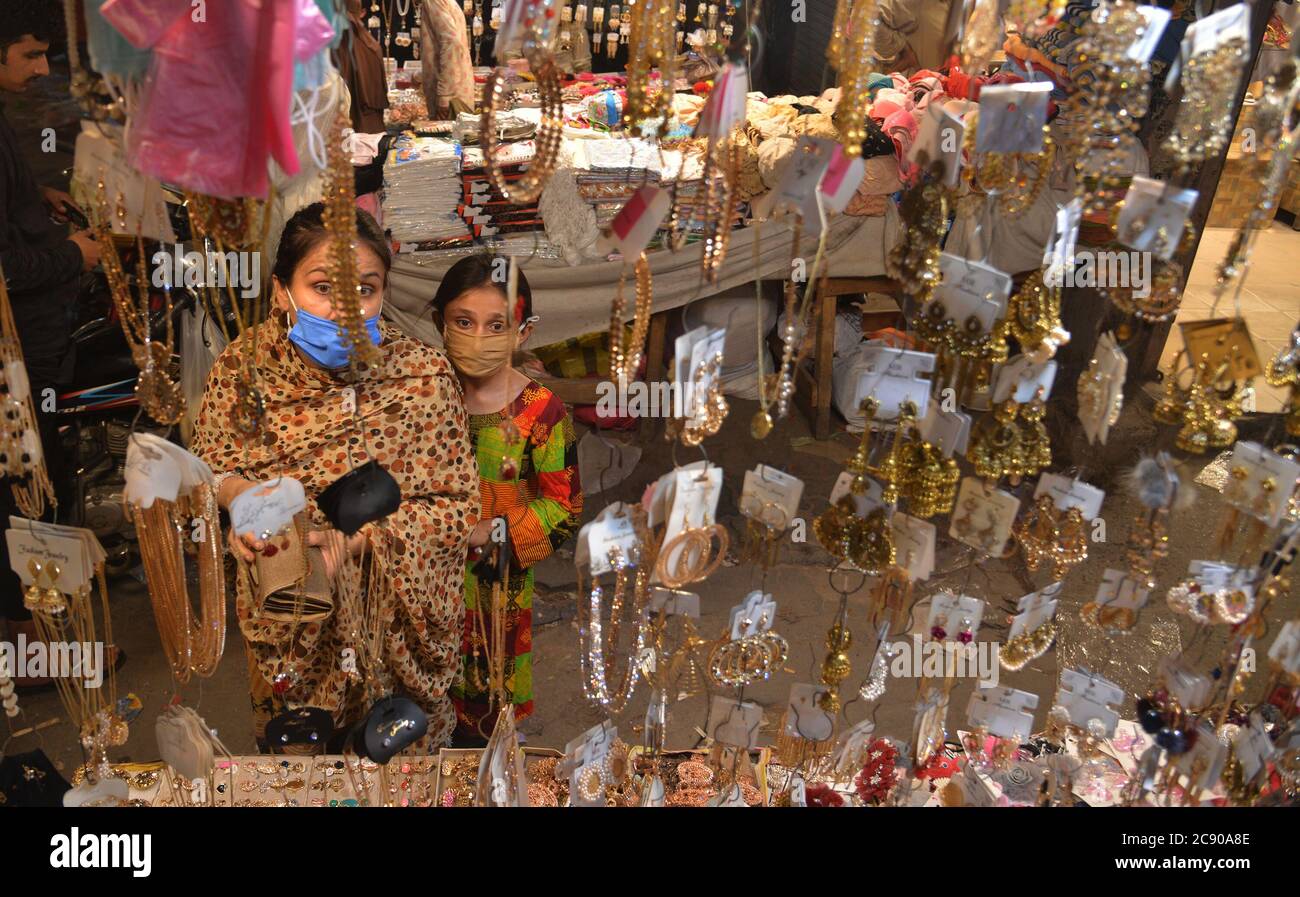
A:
<point x="422" y="190"/>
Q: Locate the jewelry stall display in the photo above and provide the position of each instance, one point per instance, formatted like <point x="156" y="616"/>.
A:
<point x="651" y="35"/>
<point x="1110" y="105"/>
<point x="157" y="387"/>
<point x="22" y="460"/>
<point x="164" y="525"/>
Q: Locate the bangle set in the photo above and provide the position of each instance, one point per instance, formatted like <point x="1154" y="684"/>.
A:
<point x="739" y="662"/>
<point x="692" y="555"/>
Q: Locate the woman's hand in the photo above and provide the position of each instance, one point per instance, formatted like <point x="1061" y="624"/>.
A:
<point x="231" y="489"/>
<point x="481" y="533"/>
<point x="244" y="547"/>
<point x="333" y="544"/>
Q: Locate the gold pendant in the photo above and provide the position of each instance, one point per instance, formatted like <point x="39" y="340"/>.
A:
<point x="761" y="424"/>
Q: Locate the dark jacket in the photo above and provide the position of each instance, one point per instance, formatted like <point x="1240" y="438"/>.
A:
<point x="42" y="267"/>
<point x="360" y="63"/>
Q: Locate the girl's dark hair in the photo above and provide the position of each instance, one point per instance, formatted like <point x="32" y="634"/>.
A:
<point x="480" y="270"/>
<point x="306" y="229"/>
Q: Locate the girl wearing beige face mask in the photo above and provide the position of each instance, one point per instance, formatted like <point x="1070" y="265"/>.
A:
<point x="524" y="443"/>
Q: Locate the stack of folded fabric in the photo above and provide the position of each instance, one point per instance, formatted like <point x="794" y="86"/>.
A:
<point x="422" y="190"/>
<point x="615" y="169"/>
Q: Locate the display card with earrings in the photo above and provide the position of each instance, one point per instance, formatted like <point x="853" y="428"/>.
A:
<point x="1153" y="216"/>
<point x="1087" y="696"/>
<point x="914" y="546"/>
<point x="1101" y="389"/>
<point x="1003" y="712"/>
<point x="954" y="618"/>
<point x="961" y="320"/>
<point x="1032" y="631"/>
<point x="699" y="406"/>
<point x="983" y="516"/>
<point x="769" y="501"/>
<point x="1118" y="600"/>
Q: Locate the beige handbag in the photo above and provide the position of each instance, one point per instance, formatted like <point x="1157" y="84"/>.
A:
<point x="290" y="585"/>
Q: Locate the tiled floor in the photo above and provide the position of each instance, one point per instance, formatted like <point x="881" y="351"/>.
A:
<point x="1269" y="299"/>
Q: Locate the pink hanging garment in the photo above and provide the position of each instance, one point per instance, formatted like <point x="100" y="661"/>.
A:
<point x="217" y="97"/>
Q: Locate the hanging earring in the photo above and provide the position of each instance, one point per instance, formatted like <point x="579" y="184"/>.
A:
<point x="1035" y="443"/>
<point x="33" y="594"/>
<point x="995" y="445"/>
<point x="54" y="601"/>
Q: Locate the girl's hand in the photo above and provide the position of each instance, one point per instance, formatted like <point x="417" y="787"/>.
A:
<point x="335" y="547"/>
<point x="481" y="533"/>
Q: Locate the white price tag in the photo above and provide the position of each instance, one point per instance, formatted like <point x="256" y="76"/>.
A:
<point x="1153" y="216"/>
<point x="755" y="615"/>
<point x="939" y="140"/>
<point x="957" y="614"/>
<point x="1003" y="712"/>
<point x="1070" y="493"/>
<point x="969" y="287"/>
<point x="1012" y="117"/>
<point x="771" y="496"/>
<point x="735" y="722"/>
<point x="267" y="508"/>
<point x="1022" y="380"/>
<point x="1285" y="650"/>
<point x="1060" y="249"/>
<point x="611" y="533"/>
<point x="804" y="716"/>
<point x="983" y="516"/>
<point x="914" y="541"/>
<point x="1118" y="589"/>
<point x="948" y="430"/>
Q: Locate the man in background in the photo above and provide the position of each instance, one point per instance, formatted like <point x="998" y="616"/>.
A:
<point x="42" y="264"/>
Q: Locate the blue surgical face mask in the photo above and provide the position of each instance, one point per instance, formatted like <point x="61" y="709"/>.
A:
<point x="322" y="340"/>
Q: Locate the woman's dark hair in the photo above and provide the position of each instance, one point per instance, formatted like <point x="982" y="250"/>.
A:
<point x="480" y="270"/>
<point x="306" y="229"/>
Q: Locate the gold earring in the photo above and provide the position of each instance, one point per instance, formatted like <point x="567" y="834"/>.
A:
<point x="33" y="595"/>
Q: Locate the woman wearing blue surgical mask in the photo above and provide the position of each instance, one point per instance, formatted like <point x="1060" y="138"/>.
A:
<point x="321" y="420"/>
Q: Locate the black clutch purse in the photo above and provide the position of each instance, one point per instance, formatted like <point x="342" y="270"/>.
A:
<point x="391" y="725"/>
<point x="363" y="495"/>
<point x="302" y="725"/>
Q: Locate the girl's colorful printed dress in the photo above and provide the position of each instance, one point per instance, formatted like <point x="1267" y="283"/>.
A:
<point x="533" y="484"/>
